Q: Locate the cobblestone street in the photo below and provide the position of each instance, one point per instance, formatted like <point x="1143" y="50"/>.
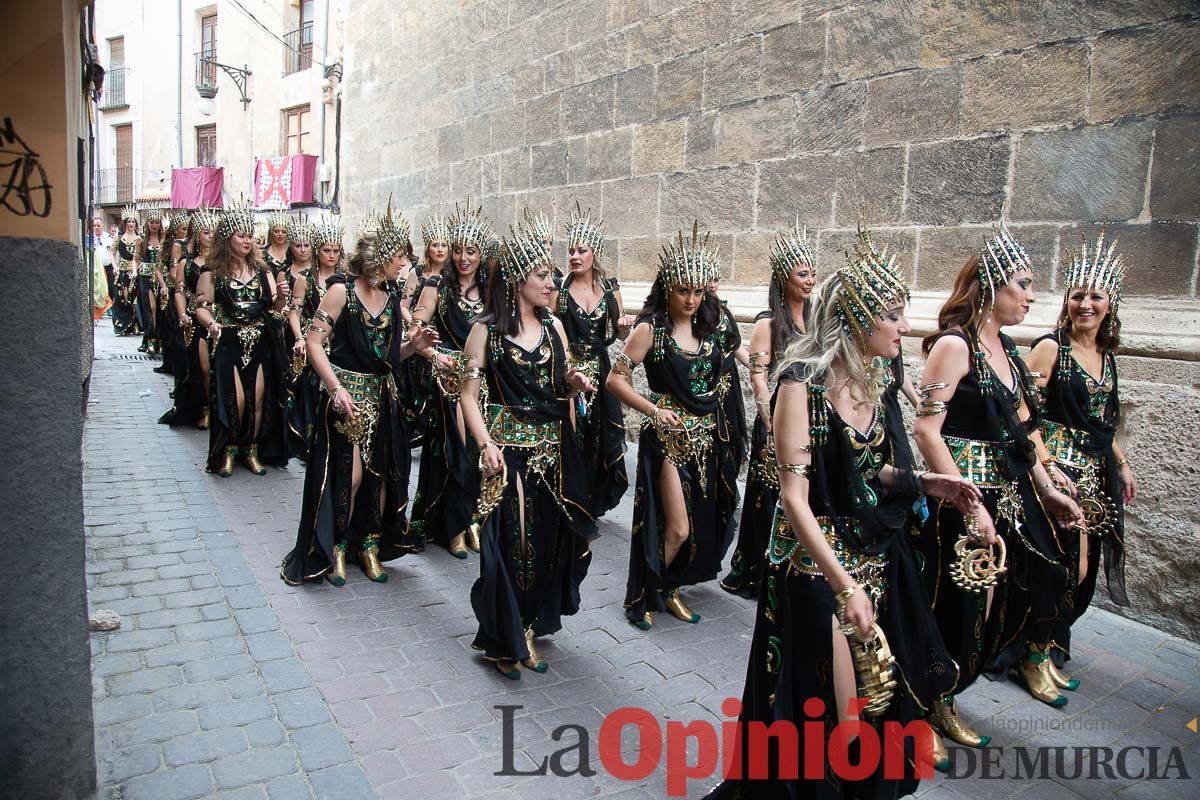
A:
<point x="225" y="682"/>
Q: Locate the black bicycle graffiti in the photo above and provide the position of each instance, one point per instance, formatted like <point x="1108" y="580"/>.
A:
<point x="26" y="190"/>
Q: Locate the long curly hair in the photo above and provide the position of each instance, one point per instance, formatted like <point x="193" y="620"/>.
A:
<point x="962" y="307"/>
<point x="654" y="310"/>
<point x="220" y="258"/>
<point x="825" y="344"/>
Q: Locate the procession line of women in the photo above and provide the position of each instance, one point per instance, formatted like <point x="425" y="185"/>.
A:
<point x="500" y="370"/>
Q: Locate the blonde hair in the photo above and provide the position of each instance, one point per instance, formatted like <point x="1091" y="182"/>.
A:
<point x="826" y="344"/>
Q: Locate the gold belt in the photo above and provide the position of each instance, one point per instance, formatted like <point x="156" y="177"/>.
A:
<point x="366" y="391"/>
<point x="784" y="548"/>
<point x="1061" y="442"/>
<point x="977" y="461"/>
<point x="691" y="440"/>
<point x="543" y="438"/>
<point x="145" y="271"/>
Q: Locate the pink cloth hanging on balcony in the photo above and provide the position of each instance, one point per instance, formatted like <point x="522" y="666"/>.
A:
<point x="284" y="181"/>
<point x="193" y="187"/>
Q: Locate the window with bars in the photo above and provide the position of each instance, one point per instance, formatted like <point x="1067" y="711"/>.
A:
<point x="208" y="50"/>
<point x="296" y="130"/>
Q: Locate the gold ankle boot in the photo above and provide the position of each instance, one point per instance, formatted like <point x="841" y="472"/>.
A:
<point x="535" y="662"/>
<point x="1061" y="679"/>
<point x="941" y="756"/>
<point x="227" y="462"/>
<point x="368" y="556"/>
<point x="337" y="572"/>
<point x="1035" y="671"/>
<point x="471" y="537"/>
<point x="508" y="668"/>
<point x="458" y="547"/>
<point x="203" y="423"/>
<point x="947" y="720"/>
<point x="677" y="608"/>
<point x="252" y="462"/>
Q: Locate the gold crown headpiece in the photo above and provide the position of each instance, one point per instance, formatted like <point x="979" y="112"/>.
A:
<point x="178" y="219"/>
<point x="1099" y="268"/>
<point x="129" y="212"/>
<point x="279" y="219"/>
<point x="521" y="253"/>
<point x="435" y="229"/>
<point x="1000" y="258"/>
<point x="469" y="226"/>
<point x="299" y="230"/>
<point x="391" y="235"/>
<point x="789" y="252"/>
<point x="237" y="218"/>
<point x="868" y="284"/>
<point x="326" y="231"/>
<point x="582" y="229"/>
<point x="152" y="214"/>
<point x="691" y="263"/>
<point x="539" y="225"/>
<point x="205" y="219"/>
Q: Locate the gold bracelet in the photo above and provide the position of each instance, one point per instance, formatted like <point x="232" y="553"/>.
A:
<point x="796" y="469"/>
<point x="1122" y="462"/>
<point x="841" y="598"/>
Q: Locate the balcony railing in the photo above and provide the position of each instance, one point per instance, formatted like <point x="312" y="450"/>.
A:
<point x="115" y="186"/>
<point x="206" y="73"/>
<point x="114" y="89"/>
<point x="298" y="55"/>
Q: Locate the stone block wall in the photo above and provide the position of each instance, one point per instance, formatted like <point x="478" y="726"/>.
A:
<point x="931" y="119"/>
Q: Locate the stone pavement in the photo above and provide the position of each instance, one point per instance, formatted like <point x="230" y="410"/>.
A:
<point x="223" y="681"/>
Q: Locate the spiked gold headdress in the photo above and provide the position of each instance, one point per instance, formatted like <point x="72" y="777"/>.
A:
<point x="299" y="231"/>
<point x="435" y="229"/>
<point x="692" y="263"/>
<point x="205" y="219"/>
<point x="278" y="219"/>
<point x="1099" y="268"/>
<point x="584" y="230"/>
<point x="866" y="286"/>
<point x="326" y="231"/>
<point x="789" y="252"/>
<point x="469" y="226"/>
<point x="151" y="214"/>
<point x="237" y="218"/>
<point x="521" y="253"/>
<point x="539" y="225"/>
<point x="130" y="213"/>
<point x="178" y="219"/>
<point x="1000" y="258"/>
<point x="391" y="235"/>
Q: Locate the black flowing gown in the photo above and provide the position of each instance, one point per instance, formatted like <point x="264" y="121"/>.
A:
<point x="125" y="303"/>
<point x="188" y="397"/>
<point x="304" y="387"/>
<point x="735" y="401"/>
<point x="599" y="418"/>
<point x="529" y="576"/>
<point x="169" y="329"/>
<point x="758" y="509"/>
<point x="1080" y="416"/>
<point x="991" y="447"/>
<point x="147" y="287"/>
<point x="248" y="343"/>
<point x="449" y="478"/>
<point x="791" y="655"/>
<point x="365" y="354"/>
<point x="693" y="385"/>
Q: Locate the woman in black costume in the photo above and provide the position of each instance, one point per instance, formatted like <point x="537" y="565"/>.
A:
<point x="237" y="300"/>
<point x="422" y="394"/>
<point x="124" y="311"/>
<point x="686" y="493"/>
<point x="190" y="397"/>
<point x="356" y="483"/>
<point x="977" y="417"/>
<point x="448" y="463"/>
<point x="793" y="277"/>
<point x="170" y="268"/>
<point x="148" y="279"/>
<point x="321" y="241"/>
<point x="589" y="306"/>
<point x="535" y="550"/>
<point x="840" y="567"/>
<point x="1077" y="368"/>
<point x="276" y="253"/>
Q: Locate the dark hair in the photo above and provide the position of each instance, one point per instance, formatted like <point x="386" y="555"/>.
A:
<point x="611" y="313"/>
<point x="220" y="258"/>
<point x="961" y="309"/>
<point x="654" y="310"/>
<point x="481" y="277"/>
<point x="500" y="309"/>
<point x="162" y="237"/>
<point x="1107" y="339"/>
<point x="783" y="327"/>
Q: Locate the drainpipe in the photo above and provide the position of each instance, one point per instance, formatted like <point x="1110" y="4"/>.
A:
<point x="324" y="55"/>
<point x="179" y="84"/>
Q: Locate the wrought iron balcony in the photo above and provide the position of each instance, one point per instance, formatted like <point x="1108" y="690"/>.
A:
<point x="115" y="186"/>
<point x="299" y="53"/>
<point x="114" y="89"/>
